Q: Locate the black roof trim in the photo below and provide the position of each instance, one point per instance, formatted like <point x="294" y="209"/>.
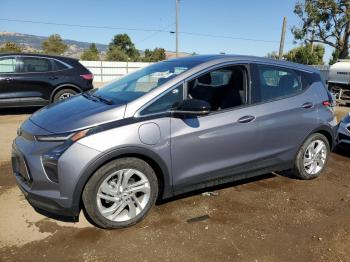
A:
<point x="255" y="59"/>
<point x="38" y="55"/>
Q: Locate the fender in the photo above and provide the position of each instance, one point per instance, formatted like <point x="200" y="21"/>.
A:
<point x="64" y="85"/>
<point x="167" y="190"/>
<point x="330" y="131"/>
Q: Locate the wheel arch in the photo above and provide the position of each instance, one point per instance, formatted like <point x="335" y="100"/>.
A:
<point x="154" y="160"/>
<point x="327" y="132"/>
<point x="64" y="86"/>
<point x="328" y="135"/>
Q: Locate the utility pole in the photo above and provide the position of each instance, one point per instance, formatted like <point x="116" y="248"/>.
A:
<point x="283" y="36"/>
<point x="177" y="27"/>
<point x="312" y="37"/>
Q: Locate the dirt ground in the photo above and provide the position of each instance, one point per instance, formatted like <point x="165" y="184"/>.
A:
<point x="270" y="218"/>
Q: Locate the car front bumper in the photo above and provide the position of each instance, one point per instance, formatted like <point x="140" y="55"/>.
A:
<point x="55" y="197"/>
<point x="48" y="200"/>
<point x="343" y="137"/>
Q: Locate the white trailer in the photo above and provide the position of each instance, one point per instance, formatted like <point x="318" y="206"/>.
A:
<point x="339" y="81"/>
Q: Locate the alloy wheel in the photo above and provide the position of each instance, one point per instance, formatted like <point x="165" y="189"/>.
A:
<point x="123" y="195"/>
<point x="315" y="157"/>
<point x="65" y="96"/>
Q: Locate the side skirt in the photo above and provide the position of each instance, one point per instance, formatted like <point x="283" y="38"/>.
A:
<point x="181" y="189"/>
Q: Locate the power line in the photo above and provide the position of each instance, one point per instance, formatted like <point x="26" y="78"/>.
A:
<point x="230" y="37"/>
<point x="154" y="34"/>
<point x="84" y="26"/>
<point x="143" y="30"/>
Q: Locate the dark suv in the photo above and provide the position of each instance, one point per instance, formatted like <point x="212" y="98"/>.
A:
<point x="37" y="80"/>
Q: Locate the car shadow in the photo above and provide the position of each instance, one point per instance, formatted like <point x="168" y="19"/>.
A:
<point x="18" y="111"/>
<point x="55" y="216"/>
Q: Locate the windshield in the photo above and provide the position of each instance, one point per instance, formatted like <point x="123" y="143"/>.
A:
<point x="136" y="84"/>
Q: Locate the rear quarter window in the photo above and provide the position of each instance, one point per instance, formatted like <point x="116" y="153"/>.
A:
<point x="59" y="65"/>
<point x="274" y="82"/>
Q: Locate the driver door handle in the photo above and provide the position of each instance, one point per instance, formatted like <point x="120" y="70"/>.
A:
<point x="246" y="119"/>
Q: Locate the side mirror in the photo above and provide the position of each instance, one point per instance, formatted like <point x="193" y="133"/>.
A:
<point x="192" y="107"/>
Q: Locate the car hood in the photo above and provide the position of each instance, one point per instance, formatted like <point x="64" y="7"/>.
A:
<point x="76" y="113"/>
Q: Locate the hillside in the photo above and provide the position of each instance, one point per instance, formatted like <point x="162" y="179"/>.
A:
<point x="32" y="43"/>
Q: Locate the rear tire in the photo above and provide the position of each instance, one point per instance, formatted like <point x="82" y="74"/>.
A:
<point x="64" y="94"/>
<point x="120" y="193"/>
<point x="312" y="157"/>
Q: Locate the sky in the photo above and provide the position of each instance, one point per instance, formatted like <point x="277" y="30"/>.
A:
<point x="249" y="19"/>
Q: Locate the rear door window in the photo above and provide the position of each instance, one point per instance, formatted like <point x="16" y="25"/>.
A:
<point x="59" y="66"/>
<point x="35" y="65"/>
<point x="273" y="82"/>
<point x="7" y="65"/>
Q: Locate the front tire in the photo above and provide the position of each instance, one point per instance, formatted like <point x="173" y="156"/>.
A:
<point x="120" y="193"/>
<point x="312" y="157"/>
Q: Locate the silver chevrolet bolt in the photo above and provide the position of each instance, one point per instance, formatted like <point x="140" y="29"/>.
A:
<point x="169" y="128"/>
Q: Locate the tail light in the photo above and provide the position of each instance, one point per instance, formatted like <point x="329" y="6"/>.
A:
<point x="327" y="103"/>
<point x="88" y="76"/>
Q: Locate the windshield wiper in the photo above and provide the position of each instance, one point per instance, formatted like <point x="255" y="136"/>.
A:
<point x="102" y="99"/>
<point x="88" y="96"/>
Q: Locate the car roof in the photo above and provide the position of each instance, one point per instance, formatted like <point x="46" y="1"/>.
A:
<point x="38" y="55"/>
<point x="224" y="58"/>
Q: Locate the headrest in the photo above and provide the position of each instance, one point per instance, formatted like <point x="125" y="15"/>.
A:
<point x="286" y="81"/>
<point x="205" y="79"/>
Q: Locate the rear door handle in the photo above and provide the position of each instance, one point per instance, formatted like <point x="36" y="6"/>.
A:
<point x="307" y="105"/>
<point x="246" y="119"/>
<point x="8" y="79"/>
<point x="53" y="77"/>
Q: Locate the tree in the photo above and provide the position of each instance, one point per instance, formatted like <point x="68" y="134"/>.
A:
<point x="123" y="43"/>
<point x="91" y="54"/>
<point x="54" y="45"/>
<point x="155" y="55"/>
<point x="116" y="54"/>
<point x="10" y="47"/>
<point x="307" y="55"/>
<point x="325" y="21"/>
<point x="335" y="57"/>
<point x="273" y="55"/>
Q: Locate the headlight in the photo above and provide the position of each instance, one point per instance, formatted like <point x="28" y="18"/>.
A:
<point x="63" y="137"/>
<point x="50" y="158"/>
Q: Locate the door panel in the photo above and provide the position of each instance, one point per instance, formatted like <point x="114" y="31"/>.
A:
<point x="285" y="113"/>
<point x="222" y="143"/>
<point x="36" y="80"/>
<point x="283" y="126"/>
<point x="212" y="146"/>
